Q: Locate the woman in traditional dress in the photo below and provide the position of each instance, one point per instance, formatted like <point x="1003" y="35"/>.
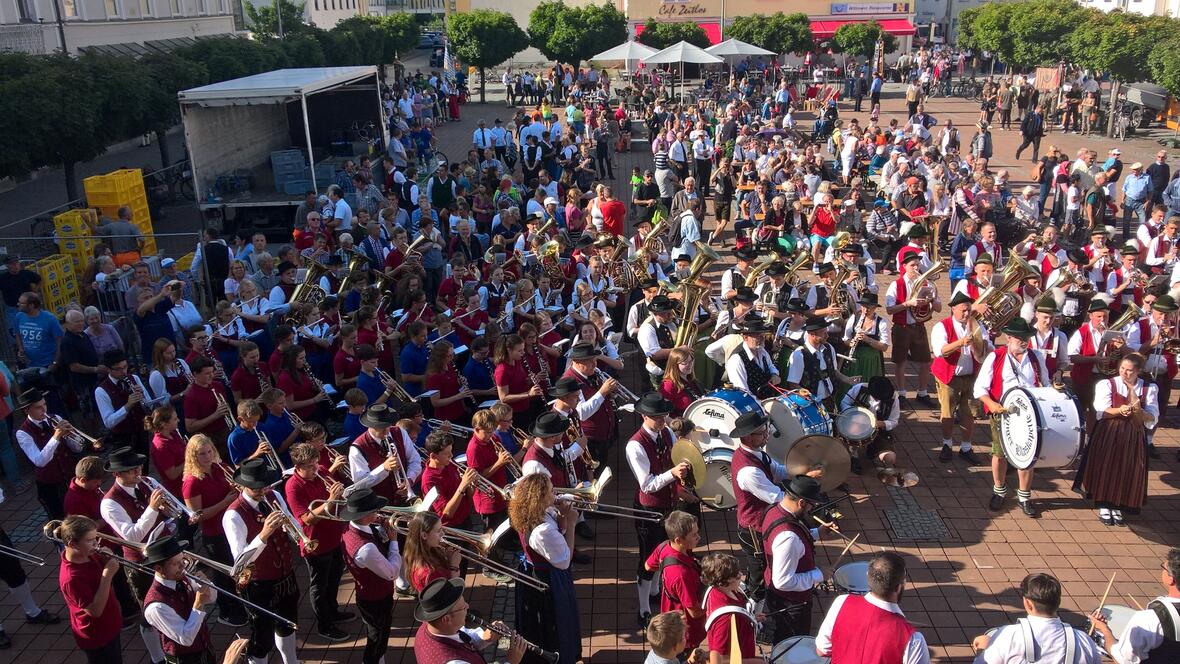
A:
<point x="867" y="334"/>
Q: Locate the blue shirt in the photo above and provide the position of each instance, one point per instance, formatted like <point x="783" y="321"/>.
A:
<point x="370" y="385"/>
<point x="277" y="429"/>
<point x="353" y="427"/>
<point x="39" y="337"/>
<point x="479" y="374"/>
<point x="508" y="441"/>
<point x="413" y="361"/>
<point x="242" y="444"/>
<point x="1136" y="187"/>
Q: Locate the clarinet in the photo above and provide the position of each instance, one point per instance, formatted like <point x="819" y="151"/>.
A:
<point x="263" y="384"/>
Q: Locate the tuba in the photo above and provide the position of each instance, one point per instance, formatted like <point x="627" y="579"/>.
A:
<point x="803" y="259"/>
<point x="693" y="293"/>
<point x="653" y="242"/>
<point x="840" y="291"/>
<point x="1004" y="301"/>
<point x="924" y="310"/>
<point x="356" y="262"/>
<point x="758" y="268"/>
<point x="549" y="256"/>
<point x="1113" y="352"/>
<point x="308" y="291"/>
<point x="619" y="269"/>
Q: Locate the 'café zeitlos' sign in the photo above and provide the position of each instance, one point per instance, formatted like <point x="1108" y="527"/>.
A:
<point x="682" y="8"/>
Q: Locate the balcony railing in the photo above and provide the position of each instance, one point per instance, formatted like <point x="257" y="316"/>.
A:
<point x="23" y="38"/>
<point x="416" y="6"/>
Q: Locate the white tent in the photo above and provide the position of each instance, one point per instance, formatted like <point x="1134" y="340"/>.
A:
<point x="736" y="49"/>
<point x="627" y="51"/>
<point x="682" y="52"/>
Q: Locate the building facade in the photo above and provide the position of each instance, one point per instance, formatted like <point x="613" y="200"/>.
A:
<point x="45" y="26"/>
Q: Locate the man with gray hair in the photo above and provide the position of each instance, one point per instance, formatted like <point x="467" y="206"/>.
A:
<point x="266" y="277"/>
<point x="77" y="353"/>
<point x="341" y="220"/>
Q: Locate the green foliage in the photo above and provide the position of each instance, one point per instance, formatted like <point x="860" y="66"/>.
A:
<point x="233" y="57"/>
<point x="1165" y="65"/>
<point x="485" y="38"/>
<point x="860" y="39"/>
<point x="1039" y="31"/>
<point x="985" y="28"/>
<point x="304" y="49"/>
<point x="263" y="21"/>
<point x="1119" y="43"/>
<point x="572" y="34"/>
<point x="778" y="32"/>
<point x="378" y="39"/>
<point x="662" y="34"/>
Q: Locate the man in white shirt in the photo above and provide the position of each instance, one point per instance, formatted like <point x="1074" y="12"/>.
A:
<point x="958" y="351"/>
<point x="813" y="365"/>
<point x="41" y="441"/>
<point x="1050" y="639"/>
<point x="442" y="637"/>
<point x="656" y="338"/>
<point x="757" y="480"/>
<point x="341" y="221"/>
<point x="750" y="367"/>
<point x="1162" y="249"/>
<point x="872" y="628"/>
<point x="482" y="140"/>
<point x="879" y="397"/>
<point x="1151" y="634"/>
<point x="791" y="569"/>
<point x="175" y="605"/>
<point x="690" y="233"/>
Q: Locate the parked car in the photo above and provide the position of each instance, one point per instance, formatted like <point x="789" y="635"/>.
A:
<point x="430" y="40"/>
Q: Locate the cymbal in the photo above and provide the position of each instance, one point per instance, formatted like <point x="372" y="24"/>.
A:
<point x="685" y="450"/>
<point x="820" y="453"/>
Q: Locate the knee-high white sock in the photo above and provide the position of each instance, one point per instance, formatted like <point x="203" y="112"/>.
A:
<point x="644" y="599"/>
<point x="286" y="646"/>
<point x="24" y="595"/>
<point x="151" y="641"/>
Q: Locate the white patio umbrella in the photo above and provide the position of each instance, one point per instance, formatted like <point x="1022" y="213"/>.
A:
<point x="628" y="53"/>
<point x="682" y="52"/>
<point x="736" y="49"/>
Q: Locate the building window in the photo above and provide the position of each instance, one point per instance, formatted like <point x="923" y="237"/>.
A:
<point x="145" y="8"/>
<point x="204" y="8"/>
<point x="26" y="10"/>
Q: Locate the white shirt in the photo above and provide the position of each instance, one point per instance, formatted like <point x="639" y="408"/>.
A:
<point x="786" y="550"/>
<point x="184" y="316"/>
<point x="728" y="281"/>
<point x="587" y="407"/>
<point x="916" y="650"/>
<point x="235" y="530"/>
<point x="753" y="480"/>
<point x="849" y="401"/>
<point x="633" y="321"/>
<point x="1142" y="634"/>
<point x="1029" y="371"/>
<point x="278" y="300"/>
<point x="735" y="369"/>
<point x="1103" y="398"/>
<point x="795" y="367"/>
<point x="157" y="381"/>
<point x="938" y="339"/>
<point x="891" y="298"/>
<point x="880" y="328"/>
<point x="365" y="477"/>
<point x="169" y="623"/>
<point x="119" y="521"/>
<point x="641" y="466"/>
<point x="648" y="341"/>
<point x="42" y="457"/>
<point x="993" y="248"/>
<point x="1049" y="635"/>
<point x="1155" y="359"/>
<point x="369" y="556"/>
<point x="342" y="212"/>
<point x="546" y="539"/>
<point x="1052" y="345"/>
<point x="534" y="467"/>
<point x="1075" y="339"/>
<point x="110" y="416"/>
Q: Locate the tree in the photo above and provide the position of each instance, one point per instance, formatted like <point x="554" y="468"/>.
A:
<point x="662" y="34"/>
<point x="542" y="27"/>
<point x="778" y="32"/>
<point x="304" y="49"/>
<point x="1118" y="44"/>
<point x="985" y="28"/>
<point x="167" y="74"/>
<point x="860" y="39"/>
<point x="1039" y="29"/>
<point x="266" y="26"/>
<point x="485" y="38"/>
<point x="233" y="57"/>
<point x="1165" y="65"/>
<point x="570" y="35"/>
<point x="371" y="40"/>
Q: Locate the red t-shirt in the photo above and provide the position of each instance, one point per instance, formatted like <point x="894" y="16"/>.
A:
<point x="86" y="503"/>
<point x="211" y="489"/>
<point x="299" y="494"/>
<point x="719" y="631"/>
<point x="680" y="399"/>
<point x="79" y="584"/>
<point x="515" y="378"/>
<point x="369" y="336"/>
<point x="446" y="479"/>
<point x="421" y="577"/>
<point x="614" y="212"/>
<point x="168" y="453"/>
<point x="447" y="384"/>
<point x="474" y="321"/>
<point x="248" y="384"/>
<point x="824" y="222"/>
<point x="275" y="362"/>
<point x="481" y="456"/>
<point x="448" y="290"/>
<point x="394" y="259"/>
<point x="682" y="587"/>
<point x="299" y="388"/>
<point x="200" y="403"/>
<point x="346" y="364"/>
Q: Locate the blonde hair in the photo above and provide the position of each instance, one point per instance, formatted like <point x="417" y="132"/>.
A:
<point x="484" y="419"/>
<point x="195" y="444"/>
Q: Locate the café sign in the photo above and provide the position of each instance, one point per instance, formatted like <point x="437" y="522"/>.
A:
<point x="870" y="8"/>
<point x="682" y="8"/>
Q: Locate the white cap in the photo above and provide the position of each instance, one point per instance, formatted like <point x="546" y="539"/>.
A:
<point x="550" y="200"/>
<point x="167" y="262"/>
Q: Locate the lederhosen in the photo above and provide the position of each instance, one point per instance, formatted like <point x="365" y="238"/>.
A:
<point x="273" y="585"/>
<point x="180" y="600"/>
<point x="757" y="375"/>
<point x="793" y="617"/>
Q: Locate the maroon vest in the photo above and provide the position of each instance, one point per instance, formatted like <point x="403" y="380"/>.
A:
<point x="866" y="634"/>
<point x="369" y="586"/>
<point x="134" y="507"/>
<point x="133" y="423"/>
<point x="660" y="458"/>
<point x="375" y="455"/>
<point x="556" y="468"/>
<point x="597" y="426"/>
<point x="786" y="521"/>
<point x="60" y="468"/>
<point x="750" y="508"/>
<point x="275" y="561"/>
<point x="429" y="647"/>
<point x="180" y="600"/>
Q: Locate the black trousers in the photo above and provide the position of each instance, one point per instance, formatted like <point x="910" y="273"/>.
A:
<point x="1034" y="141"/>
<point x="217" y="548"/>
<point x="377" y="615"/>
<point x="704" y="170"/>
<point x="11" y="571"/>
<point x="650" y="535"/>
<point x="280" y="596"/>
<point x="326" y="571"/>
<point x="122" y="589"/>
<point x="788" y="619"/>
<point x="111" y="653"/>
<point x="751" y="542"/>
<point x="52" y="498"/>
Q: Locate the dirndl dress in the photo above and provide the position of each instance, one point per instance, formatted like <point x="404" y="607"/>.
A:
<point x="1113" y="469"/>
<point x="549" y="619"/>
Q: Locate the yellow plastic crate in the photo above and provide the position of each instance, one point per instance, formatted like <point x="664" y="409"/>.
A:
<point x="74" y="223"/>
<point x="149" y="245"/>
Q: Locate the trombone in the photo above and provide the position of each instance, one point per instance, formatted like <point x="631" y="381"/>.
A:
<point x="50" y="528"/>
<point x="483" y="484"/>
<point x="174" y="508"/>
<point x="21" y="555"/>
<point x="461" y="539"/>
<point x="240" y="576"/>
<point x="290" y="524"/>
<point x="455" y="428"/>
<point x="585" y="499"/>
<point x="422" y="504"/>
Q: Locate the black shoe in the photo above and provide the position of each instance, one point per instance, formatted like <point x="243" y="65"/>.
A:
<point x="582" y="558"/>
<point x="1029" y="509"/>
<point x="946" y="454"/>
<point x="996" y="502"/>
<point x="333" y="633"/>
<point x="344" y="617"/>
<point x="1106" y="519"/>
<point x="43" y="618"/>
<point x="584" y="531"/>
<point x="644" y="618"/>
<point x="1151" y="452"/>
<point x="408" y="591"/>
<point x="856" y="469"/>
<point x="925" y="400"/>
<point x="5" y="642"/>
<point x="970" y="458"/>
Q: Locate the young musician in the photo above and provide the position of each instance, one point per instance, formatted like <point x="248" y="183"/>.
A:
<point x="1151" y="632"/>
<point x="722" y="576"/>
<point x="987" y="244"/>
<point x="1052" y="639"/>
<point x="791" y="570"/>
<point x="513" y="382"/>
<point x="451" y="394"/>
<point x="51" y="448"/>
<point x="174" y="604"/>
<point x="959" y="344"/>
<point x="371" y="330"/>
<point x="487" y="457"/>
<point x="749" y="367"/>
<point x="454" y="503"/>
<point x="207" y="492"/>
<point x="469" y="318"/>
<point x="756" y="478"/>
<point x="325" y="562"/>
<point x="679" y="385"/>
<point x="910" y="343"/>
<point x="1013" y="365"/>
<point x="1125" y="284"/>
<point x="1147" y="336"/>
<point x="427" y="557"/>
<point x="278" y="424"/>
<point x="167" y="453"/>
<point x="227" y="334"/>
<point x="1086" y="350"/>
<point x="595" y="405"/>
<point x="1050" y="341"/>
<point x="790" y="334"/>
<point x="284" y="338"/>
<point x="86" y="584"/>
<point x="872" y="628"/>
<point x="305" y="398"/>
<point x="252" y="377"/>
<point x="443" y="612"/>
<point x="170" y="377"/>
<point x="412" y="361"/>
<point x="680" y="573"/>
<point x="370" y="380"/>
<point x="877" y="395"/>
<point x="121" y="398"/>
<point x="375" y="562"/>
<point x="738" y="307"/>
<point x="206" y="406"/>
<point x="346" y="365"/>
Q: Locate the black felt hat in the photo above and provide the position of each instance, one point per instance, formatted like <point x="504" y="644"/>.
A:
<point x="257" y="473"/>
<point x="550" y="424"/>
<point x="806" y="488"/>
<point x="123" y="459"/>
<point x="379" y="416"/>
<point x="437" y="599"/>
<point x="163" y="549"/>
<point x="564" y="386"/>
<point x="748" y="423"/>
<point x="653" y="404"/>
<point x="361" y="503"/>
<point x="584" y="351"/>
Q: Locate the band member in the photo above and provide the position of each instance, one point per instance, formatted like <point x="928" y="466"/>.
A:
<point x="207" y="492"/>
<point x="791" y="572"/>
<point x="86" y="584"/>
<point x="756" y="482"/>
<point x="872" y="628"/>
<point x="864" y="277"/>
<point x="1125" y="284"/>
<point x="736" y="275"/>
<point x="204" y="411"/>
<point x="469" y="319"/>
<point x="1147" y="336"/>
<point x="867" y="336"/>
<point x="790" y="333"/>
<point x="1161" y="252"/>
<point x="638" y="312"/>
<point x="174" y="604"/>
<point x="304" y="395"/>
<point x="256" y="531"/>
<point x="346" y="365"/>
<point x="987" y="244"/>
<point x="1099" y="262"/>
<point x="284" y="337"/>
<point x="774" y="293"/>
<point x="1009" y="366"/>
<point x="133" y="513"/>
<point x="680" y="385"/>
<point x="722" y="576"/>
<point x="451" y="394"/>
<point x="382" y="458"/>
<point x="1048" y="256"/>
<point x="494" y="295"/>
<point x="878" y="396"/>
<point x="514" y="384"/>
<point x="1084" y="353"/>
<point x="52" y="447"/>
<point x="227" y="334"/>
<point x="454" y="503"/>
<point x="1073" y="299"/>
<point x="120" y="400"/>
<point x="657" y="337"/>
<point x="821" y="297"/>
<point x="910" y="343"/>
<point x="443" y="613"/>
<point x="984" y="273"/>
<point x="167" y="453"/>
<point x="375" y="562"/>
<point x="649" y="453"/>
<point x="737" y="308"/>
<point x="278" y="424"/>
<point x="546" y="529"/>
<point x="1149" y="634"/>
<point x="1042" y="630"/>
<point x="749" y="367"/>
<point x="280" y="296"/>
<point x="595" y="408"/>
<point x="1113" y="469"/>
<point x="170" y="376"/>
<point x="492" y="460"/>
<point x="373" y="331"/>
<point x="959" y="344"/>
<point x="427" y="557"/>
<point x="1050" y="341"/>
<point x="680" y="573"/>
<point x="918" y="236"/>
<point x="252" y="377"/>
<point x="813" y="365"/>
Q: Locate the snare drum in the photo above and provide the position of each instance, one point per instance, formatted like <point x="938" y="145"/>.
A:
<point x="715" y="415"/>
<point x="1117" y="618"/>
<point x="797" y="650"/>
<point x="852" y="578"/>
<point x="857" y="425"/>
<point x="792" y="416"/>
<point x="717" y="491"/>
<point x="1042" y="428"/>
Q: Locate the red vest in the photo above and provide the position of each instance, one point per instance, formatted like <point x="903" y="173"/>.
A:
<point x="1116" y="304"/>
<point x="180" y="600"/>
<point x="429" y="647"/>
<point x="276" y="560"/>
<point x="375" y="455"/>
<point x="1117" y="400"/>
<point x="866" y="634"/>
<point x="553" y="464"/>
<point x="133" y="423"/>
<point x="972" y="289"/>
<point x="997" y="255"/>
<point x="943" y="366"/>
<point x="901" y="317"/>
<point x="369" y="586"/>
<point x="996" y="389"/>
<point x="750" y="508"/>
<point x="134" y="507"/>
<point x="786" y="521"/>
<point x="597" y="426"/>
<point x="1083" y="374"/>
<point x="60" y="468"/>
<point x="661" y="461"/>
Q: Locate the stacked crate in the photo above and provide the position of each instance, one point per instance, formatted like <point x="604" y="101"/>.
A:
<point x="292" y="175"/>
<point x="59" y="285"/>
<point x="74" y="240"/>
<point x="118" y="188"/>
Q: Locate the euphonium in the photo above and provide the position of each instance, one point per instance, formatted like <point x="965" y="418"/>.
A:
<point x="758" y="268"/>
<point x="1109" y="366"/>
<point x="839" y="290"/>
<point x="549" y="256"/>
<point x="687" y="331"/>
<point x="654" y="240"/>
<point x="803" y="259"/>
<point x="924" y="310"/>
<point x="356" y="262"/>
<point x="308" y="290"/>
<point x="417" y="241"/>
<point x="1004" y="301"/>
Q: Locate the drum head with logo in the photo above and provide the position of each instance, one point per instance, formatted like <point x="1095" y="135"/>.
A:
<point x="1020" y="429"/>
<point x="714" y="415"/>
<point x="793" y="416"/>
<point x="797" y="650"/>
<point x="717" y="489"/>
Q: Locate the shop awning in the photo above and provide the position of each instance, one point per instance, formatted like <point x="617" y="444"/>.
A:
<point x="898" y="27"/>
<point x="713" y="30"/>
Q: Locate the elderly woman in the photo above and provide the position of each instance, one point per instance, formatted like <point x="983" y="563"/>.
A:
<point x="1027" y="206"/>
<point x="102" y="335"/>
<point x="237" y="272"/>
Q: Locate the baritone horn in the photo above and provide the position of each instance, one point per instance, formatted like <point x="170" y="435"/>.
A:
<point x="693" y="293"/>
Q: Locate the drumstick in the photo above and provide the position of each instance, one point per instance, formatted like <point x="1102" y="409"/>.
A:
<point x="832" y="527"/>
<point x="846" y="548"/>
<point x="1104" y="596"/>
<point x="1137" y="604"/>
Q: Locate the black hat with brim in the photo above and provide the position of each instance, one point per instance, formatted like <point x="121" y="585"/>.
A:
<point x="564" y="386"/>
<point x="360" y="504"/>
<point x="1047" y="305"/>
<point x="1129" y="250"/>
<point x="918" y="231"/>
<point x="802" y="487"/>
<point x="653" y="404"/>
<point x="163" y="549"/>
<point x="796" y="305"/>
<point x="30" y="397"/>
<point x="869" y="299"/>
<point x="825" y="268"/>
<point x="745" y="254"/>
<point x="984" y="259"/>
<point x="437" y="599"/>
<point x="1019" y="328"/>
<point x="550" y="424"/>
<point x="648" y="283"/>
<point x="754" y="325"/>
<point x="379" y="416"/>
<point x="911" y="257"/>
<point x="776" y="269"/>
<point x="961" y="298"/>
<point x="748" y="423"/>
<point x="1077" y="256"/>
<point x="661" y="304"/>
<point x="744" y="294"/>
<point x="584" y="351"/>
<point x="257" y="474"/>
<point x="124" y="459"/>
<point x="815" y="323"/>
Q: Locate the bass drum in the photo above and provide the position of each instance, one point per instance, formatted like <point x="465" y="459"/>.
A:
<point x="797" y="650"/>
<point x="717" y="491"/>
<point x="1042" y="428"/>
<point x="715" y="414"/>
<point x="792" y="416"/>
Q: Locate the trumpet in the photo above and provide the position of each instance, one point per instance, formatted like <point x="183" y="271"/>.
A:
<point x="335" y="456"/>
<point x="476" y="621"/>
<point x="575" y="432"/>
<point x="291" y="524"/>
<point x="295" y="419"/>
<point x="272" y="455"/>
<point x="175" y="507"/>
<point x="399" y="474"/>
<point x="57" y="420"/>
<point x="622" y="392"/>
<point x="483" y="484"/>
<point x="229" y="419"/>
<point x="399" y="392"/>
